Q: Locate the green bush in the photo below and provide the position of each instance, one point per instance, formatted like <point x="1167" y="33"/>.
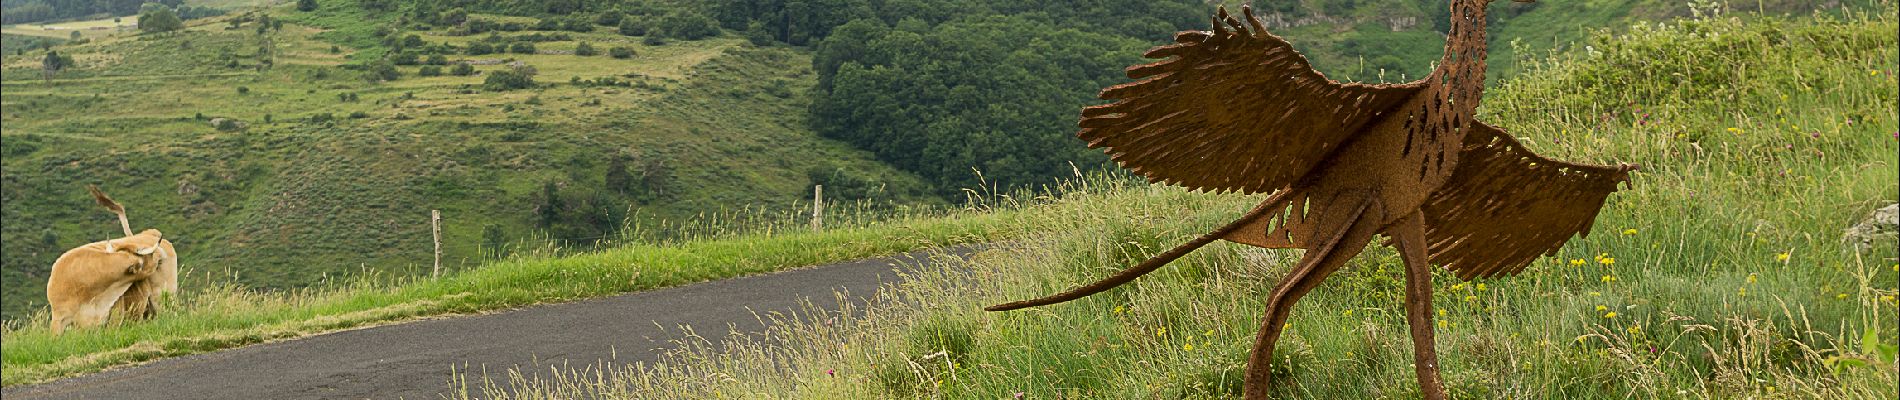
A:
<point x="633" y="26"/>
<point x="585" y="50"/>
<point x="518" y="77"/>
<point x="479" y="48"/>
<point x="621" y="52"/>
<point x="689" y="25"/>
<point x="462" y="69"/>
<point x="383" y="70"/>
<point x="521" y="48"/>
<point x="429" y="70"/>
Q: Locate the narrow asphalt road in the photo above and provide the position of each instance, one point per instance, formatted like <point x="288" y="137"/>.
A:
<point x="413" y="360"/>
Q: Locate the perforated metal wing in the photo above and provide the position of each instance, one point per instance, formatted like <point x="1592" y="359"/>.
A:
<point x="1233" y="109"/>
<point x="1505" y="206"/>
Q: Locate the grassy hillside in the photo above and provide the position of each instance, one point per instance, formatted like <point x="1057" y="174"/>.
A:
<point x="335" y="173"/>
<point x="1721" y="274"/>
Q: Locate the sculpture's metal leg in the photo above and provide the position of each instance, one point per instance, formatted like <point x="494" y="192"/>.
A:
<point x="1409" y="234"/>
<point x="1354" y="222"/>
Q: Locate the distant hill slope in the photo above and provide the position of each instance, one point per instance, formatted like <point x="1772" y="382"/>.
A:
<point x="334" y="173"/>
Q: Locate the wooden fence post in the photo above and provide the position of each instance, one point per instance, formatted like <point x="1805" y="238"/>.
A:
<point x="817" y="207"/>
<point x="435" y="230"/>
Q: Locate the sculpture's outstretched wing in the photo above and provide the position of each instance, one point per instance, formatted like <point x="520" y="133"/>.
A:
<point x="1505" y="206"/>
<point x="1233" y="110"/>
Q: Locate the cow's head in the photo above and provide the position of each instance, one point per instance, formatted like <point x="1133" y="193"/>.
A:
<point x="144" y="247"/>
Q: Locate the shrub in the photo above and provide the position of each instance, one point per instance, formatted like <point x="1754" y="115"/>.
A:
<point x="523" y="47"/>
<point x="383" y="70"/>
<point x="516" y="77"/>
<point x="358" y="115"/>
<point x="302" y="5"/>
<point x="756" y="33"/>
<point x="437" y="59"/>
<point x="633" y="26"/>
<point x="159" y="19"/>
<point x="610" y="18"/>
<point x="479" y="48"/>
<point x="689" y="25"/>
<point x="653" y="40"/>
<point x="621" y="52"/>
<point x="547" y="24"/>
<point x="404" y="58"/>
<point x="577" y="24"/>
<point x="430" y="70"/>
<point x="585" y="50"/>
<point x="462" y="69"/>
<point x="244" y="90"/>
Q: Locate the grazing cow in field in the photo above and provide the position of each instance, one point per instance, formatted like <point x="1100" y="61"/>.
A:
<point x="128" y="274"/>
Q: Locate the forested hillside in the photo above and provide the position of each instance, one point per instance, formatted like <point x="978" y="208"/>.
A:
<point x="306" y="139"/>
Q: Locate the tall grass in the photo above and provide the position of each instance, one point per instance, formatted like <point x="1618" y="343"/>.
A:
<point x="1721" y="274"/>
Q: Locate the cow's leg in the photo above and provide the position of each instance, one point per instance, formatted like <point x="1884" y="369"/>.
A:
<point x="1409" y="235"/>
<point x="1352" y="219"/>
<point x="136" y="303"/>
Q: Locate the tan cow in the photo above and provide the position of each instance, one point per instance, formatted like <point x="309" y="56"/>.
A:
<point x="128" y="274"/>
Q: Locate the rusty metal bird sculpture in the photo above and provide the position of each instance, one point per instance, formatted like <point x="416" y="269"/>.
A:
<point x="1237" y="109"/>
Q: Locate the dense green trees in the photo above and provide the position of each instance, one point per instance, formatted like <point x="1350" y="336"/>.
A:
<point x="998" y="94"/>
<point x="688" y="25"/>
<point x="803" y="22"/>
<point x="992" y="93"/>
<point x="45" y="10"/>
<point x="159" y="18"/>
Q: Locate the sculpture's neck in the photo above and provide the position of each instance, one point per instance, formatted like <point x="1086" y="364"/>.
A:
<point x="1462" y="68"/>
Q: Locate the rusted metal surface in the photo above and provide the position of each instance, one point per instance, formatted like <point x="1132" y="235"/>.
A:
<point x="1236" y="109"/>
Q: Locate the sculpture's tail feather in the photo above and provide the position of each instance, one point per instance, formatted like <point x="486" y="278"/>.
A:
<point x="1129" y="275"/>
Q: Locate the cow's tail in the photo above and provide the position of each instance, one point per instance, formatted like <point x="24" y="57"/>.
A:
<point x="111" y="206"/>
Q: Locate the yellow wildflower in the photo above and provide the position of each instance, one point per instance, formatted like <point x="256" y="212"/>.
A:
<point x="1348" y="313"/>
<point x="1751" y="278"/>
<point x="1187" y="347"/>
<point x="1481" y="287"/>
<point x="1609" y="278"/>
<point x="1162" y="331"/>
<point x="1737" y="131"/>
<point x="1602" y="308"/>
<point x="1840" y="296"/>
<point x="1457" y="287"/>
<point x="1741" y="291"/>
<point x="1120" y="309"/>
<point x="1470" y="298"/>
<point x="1611" y="314"/>
<point x="1634" y="329"/>
<point x="1782" y="257"/>
<point x="1607" y="260"/>
<point x="1630" y="231"/>
<point x="1577" y="261"/>
<point x="1595" y="293"/>
<point x="1441" y="312"/>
